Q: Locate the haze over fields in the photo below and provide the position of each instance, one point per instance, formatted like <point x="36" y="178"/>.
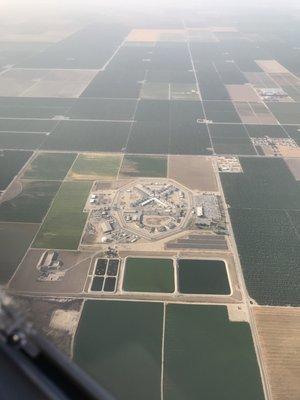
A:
<point x="150" y="190"/>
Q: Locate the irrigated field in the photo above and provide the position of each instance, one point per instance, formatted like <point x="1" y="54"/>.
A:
<point x="90" y="167"/>
<point x="262" y="203"/>
<point x="31" y="204"/>
<point x="144" y="166"/>
<point x="49" y="166"/>
<point x="206" y="353"/>
<point x="119" y="344"/>
<point x="64" y="223"/>
<point x="10" y="164"/>
<point x="278" y="332"/>
<point x="14" y="241"/>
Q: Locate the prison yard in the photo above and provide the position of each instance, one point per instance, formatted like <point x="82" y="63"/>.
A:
<point x="150" y="200"/>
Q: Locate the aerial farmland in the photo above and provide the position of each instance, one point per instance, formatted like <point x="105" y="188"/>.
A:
<point x="150" y="199"/>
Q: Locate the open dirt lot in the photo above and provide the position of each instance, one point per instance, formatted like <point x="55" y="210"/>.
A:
<point x="242" y="93"/>
<point x="271" y="66"/>
<point x="278" y="331"/>
<point x="195" y="172"/>
<point x="45" y="83"/>
<point x="76" y="264"/>
<point x="294" y="167"/>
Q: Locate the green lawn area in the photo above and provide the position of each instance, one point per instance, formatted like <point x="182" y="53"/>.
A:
<point x="149" y="275"/>
<point x="65" y="221"/>
<point x="31" y="204"/>
<point x="50" y="166"/>
<point x="94" y="166"/>
<point x="144" y="166"/>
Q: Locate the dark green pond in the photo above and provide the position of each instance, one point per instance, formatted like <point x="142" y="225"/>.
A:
<point x="203" y="277"/>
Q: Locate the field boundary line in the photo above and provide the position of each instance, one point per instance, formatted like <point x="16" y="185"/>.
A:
<point x="163" y="354"/>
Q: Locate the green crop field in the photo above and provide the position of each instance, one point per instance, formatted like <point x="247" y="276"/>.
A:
<point x="64" y="223"/>
<point x="95" y="166"/>
<point x="50" y="166"/>
<point x="135" y="165"/>
<point x="149" y="275"/>
<point x="263" y="203"/>
<point x="207" y="354"/>
<point x="14" y="241"/>
<point x="119" y="345"/>
<point x="31" y="204"/>
<point x="10" y="164"/>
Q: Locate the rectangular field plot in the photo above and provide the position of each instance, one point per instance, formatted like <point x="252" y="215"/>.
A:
<point x="206" y="353"/>
<point x="226" y="131"/>
<point x="273" y="131"/>
<point x="182" y="169"/>
<point x="203" y="277"/>
<point x="185" y="111"/>
<point x="189" y="138"/>
<point x="265" y="184"/>
<point x="149" y="275"/>
<point x="122" y="349"/>
<point x="269" y="249"/>
<point x="45" y="83"/>
<point x="236" y="146"/>
<point x="22" y="141"/>
<point x="88" y="48"/>
<point x="11" y="162"/>
<point x="138" y="165"/>
<point x="184" y="91"/>
<point x="171" y="76"/>
<point x="149" y="137"/>
<point x="286" y="113"/>
<point x="293" y="132"/>
<point x="221" y="111"/>
<point x="242" y="93"/>
<point x="278" y="332"/>
<point x="159" y="91"/>
<point x="90" y="167"/>
<point x="14" y="241"/>
<point x="31" y="204"/>
<point x="88" y="136"/>
<point x="103" y="109"/>
<point x="229" y="73"/>
<point x="42" y="126"/>
<point x="153" y="111"/>
<point x="118" y="83"/>
<point x="255" y="113"/>
<point x="64" y="223"/>
<point x="49" y="166"/>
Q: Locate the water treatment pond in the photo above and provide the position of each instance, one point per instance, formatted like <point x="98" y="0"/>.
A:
<point x="203" y="277"/>
<point x="149" y="275"/>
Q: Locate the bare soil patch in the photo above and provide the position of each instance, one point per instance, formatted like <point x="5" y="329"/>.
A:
<point x="195" y="172"/>
<point x="278" y="331"/>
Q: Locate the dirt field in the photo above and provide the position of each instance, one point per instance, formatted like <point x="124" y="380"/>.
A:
<point x="242" y="93"/>
<point x="278" y="330"/>
<point x="195" y="172"/>
<point x="289" y="151"/>
<point x="154" y="35"/>
<point x="76" y="264"/>
<point x="294" y="167"/>
<point x="45" y="82"/>
<point x="271" y="67"/>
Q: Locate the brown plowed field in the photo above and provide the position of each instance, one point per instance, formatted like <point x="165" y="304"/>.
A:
<point x="279" y="336"/>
